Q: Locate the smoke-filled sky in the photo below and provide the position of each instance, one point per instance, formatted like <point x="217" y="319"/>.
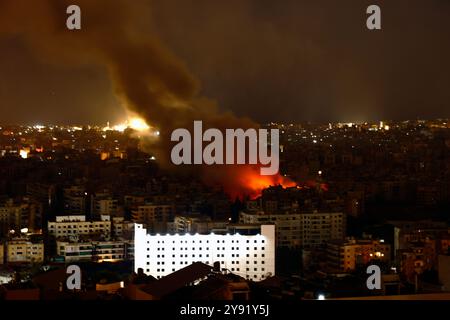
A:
<point x="288" y="60"/>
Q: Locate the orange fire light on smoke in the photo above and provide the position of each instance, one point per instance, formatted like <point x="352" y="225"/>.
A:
<point x="251" y="182"/>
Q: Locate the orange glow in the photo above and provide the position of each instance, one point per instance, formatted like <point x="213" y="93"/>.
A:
<point x="138" y="124"/>
<point x="246" y="181"/>
<point x="251" y="182"/>
<point x="135" y="123"/>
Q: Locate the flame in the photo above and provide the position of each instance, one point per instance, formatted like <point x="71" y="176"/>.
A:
<point x="247" y="181"/>
<point x="134" y="123"/>
<point x="138" y="124"/>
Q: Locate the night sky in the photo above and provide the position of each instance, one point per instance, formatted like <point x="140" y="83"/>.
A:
<point x="288" y="60"/>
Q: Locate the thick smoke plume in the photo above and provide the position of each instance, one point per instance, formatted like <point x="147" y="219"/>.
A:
<point x="148" y="79"/>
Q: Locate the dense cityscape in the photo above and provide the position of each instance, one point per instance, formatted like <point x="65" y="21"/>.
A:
<point x="359" y="194"/>
<point x="224" y="159"/>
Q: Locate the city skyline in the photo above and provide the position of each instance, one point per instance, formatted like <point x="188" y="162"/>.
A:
<point x="242" y="150"/>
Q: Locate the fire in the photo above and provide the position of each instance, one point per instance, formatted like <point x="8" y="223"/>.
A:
<point x="247" y="181"/>
<point x="138" y="124"/>
<point x="134" y="123"/>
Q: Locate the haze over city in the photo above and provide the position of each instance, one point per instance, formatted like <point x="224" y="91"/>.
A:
<point x="270" y="61"/>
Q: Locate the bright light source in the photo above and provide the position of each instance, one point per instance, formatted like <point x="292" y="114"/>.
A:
<point x="138" y="124"/>
<point x="23" y="154"/>
<point x="135" y="123"/>
<point x="24" y="230"/>
<point x="321" y="297"/>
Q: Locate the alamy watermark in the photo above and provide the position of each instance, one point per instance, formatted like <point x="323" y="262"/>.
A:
<point x="373" y="21"/>
<point x="231" y="149"/>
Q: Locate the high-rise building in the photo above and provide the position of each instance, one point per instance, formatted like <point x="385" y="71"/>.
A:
<point x="301" y="229"/>
<point x="250" y="256"/>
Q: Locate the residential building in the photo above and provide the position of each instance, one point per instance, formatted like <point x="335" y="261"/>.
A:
<point x="75" y="200"/>
<point x="23" y="250"/>
<point x="196" y="224"/>
<point x="301" y="229"/>
<point x="98" y="251"/>
<point x="154" y="216"/>
<point x="347" y="255"/>
<point x="77" y="225"/>
<point x="249" y="256"/>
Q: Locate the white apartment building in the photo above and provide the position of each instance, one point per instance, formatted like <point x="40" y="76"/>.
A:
<point x="65" y="226"/>
<point x="22" y="250"/>
<point x="98" y="251"/>
<point x="250" y="256"/>
<point x="300" y="229"/>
